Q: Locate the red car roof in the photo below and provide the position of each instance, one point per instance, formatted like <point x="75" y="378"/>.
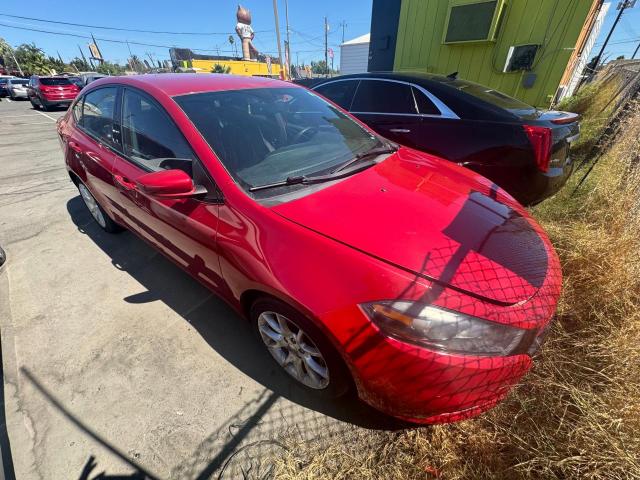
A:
<point x="172" y="84"/>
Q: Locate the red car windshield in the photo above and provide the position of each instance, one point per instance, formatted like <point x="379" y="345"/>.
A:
<point x="50" y="82"/>
<point x="269" y="134"/>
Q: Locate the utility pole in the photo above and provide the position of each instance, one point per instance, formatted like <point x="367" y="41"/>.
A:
<point x="288" y="51"/>
<point x="275" y="14"/>
<point x="635" y="52"/>
<point x="343" y="24"/>
<point x="622" y="6"/>
<point x="326" y="52"/>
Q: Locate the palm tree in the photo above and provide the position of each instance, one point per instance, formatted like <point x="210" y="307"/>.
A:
<point x="217" y="68"/>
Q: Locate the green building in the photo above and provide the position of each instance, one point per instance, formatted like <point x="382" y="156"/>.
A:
<point x="529" y="49"/>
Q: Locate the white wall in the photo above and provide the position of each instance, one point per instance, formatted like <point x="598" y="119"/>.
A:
<point x="354" y="58"/>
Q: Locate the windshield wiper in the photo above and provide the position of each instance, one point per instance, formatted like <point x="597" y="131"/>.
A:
<point x="374" y="152"/>
<point x="288" y="181"/>
<point x="305" y="180"/>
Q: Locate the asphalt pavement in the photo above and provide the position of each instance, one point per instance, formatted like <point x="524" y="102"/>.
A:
<point x="113" y="358"/>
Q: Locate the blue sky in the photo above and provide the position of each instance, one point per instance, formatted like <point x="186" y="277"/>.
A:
<point x="305" y="18"/>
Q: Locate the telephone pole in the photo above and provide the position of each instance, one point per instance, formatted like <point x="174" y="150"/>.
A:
<point x="635" y="52"/>
<point x="275" y="14"/>
<point x="622" y="6"/>
<point x="343" y="24"/>
<point x="288" y="50"/>
<point x="326" y="52"/>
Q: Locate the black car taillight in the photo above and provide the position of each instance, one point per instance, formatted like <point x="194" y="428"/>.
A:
<point x="541" y="140"/>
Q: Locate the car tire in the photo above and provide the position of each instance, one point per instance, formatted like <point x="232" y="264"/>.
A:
<point x="267" y="316"/>
<point x="44" y="106"/>
<point x="96" y="211"/>
<point x="33" y="104"/>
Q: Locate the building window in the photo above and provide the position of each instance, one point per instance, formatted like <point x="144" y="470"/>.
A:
<point x="473" y="20"/>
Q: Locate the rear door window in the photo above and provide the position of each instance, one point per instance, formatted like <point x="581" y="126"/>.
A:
<point x="97" y="113"/>
<point x="339" y="92"/>
<point x="425" y="106"/>
<point x="381" y="96"/>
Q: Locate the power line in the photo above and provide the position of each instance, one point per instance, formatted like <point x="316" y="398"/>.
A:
<point x="130" y="42"/>
<point x="102" y="27"/>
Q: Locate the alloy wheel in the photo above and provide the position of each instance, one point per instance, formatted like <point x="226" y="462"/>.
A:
<point x="294" y="350"/>
<point x="92" y="205"/>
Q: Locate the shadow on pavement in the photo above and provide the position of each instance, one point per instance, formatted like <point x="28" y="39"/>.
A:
<point x="226" y="332"/>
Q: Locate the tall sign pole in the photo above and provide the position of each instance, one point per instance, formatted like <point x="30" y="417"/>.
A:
<point x="326" y="51"/>
<point x="275" y="14"/>
<point x="99" y="57"/>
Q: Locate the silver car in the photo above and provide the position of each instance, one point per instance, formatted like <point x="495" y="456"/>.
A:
<point x="17" y="88"/>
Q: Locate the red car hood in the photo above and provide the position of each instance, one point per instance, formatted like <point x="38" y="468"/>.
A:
<point x="435" y="220"/>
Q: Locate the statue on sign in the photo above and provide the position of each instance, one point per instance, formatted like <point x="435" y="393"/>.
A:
<point x="245" y="32"/>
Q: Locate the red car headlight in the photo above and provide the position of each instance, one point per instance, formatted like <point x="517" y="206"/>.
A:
<point x="444" y="330"/>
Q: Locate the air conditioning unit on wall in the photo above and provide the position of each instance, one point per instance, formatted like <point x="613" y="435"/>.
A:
<point x="520" y="57"/>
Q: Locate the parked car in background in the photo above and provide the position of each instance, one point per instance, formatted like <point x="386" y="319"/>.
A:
<point x="359" y="262"/>
<point x="89" y="77"/>
<point x="77" y="81"/>
<point x="3" y="85"/>
<point x="524" y="150"/>
<point x="47" y="92"/>
<point x="17" y="88"/>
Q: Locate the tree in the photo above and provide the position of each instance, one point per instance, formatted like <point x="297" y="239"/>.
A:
<point x="108" y="68"/>
<point x="5" y="55"/>
<point x="32" y="59"/>
<point x="56" y="64"/>
<point x="80" y="64"/>
<point x="217" y="68"/>
<point x="321" y="68"/>
<point x="136" y="64"/>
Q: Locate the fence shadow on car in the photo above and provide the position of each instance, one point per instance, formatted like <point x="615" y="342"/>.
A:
<point x="223" y="329"/>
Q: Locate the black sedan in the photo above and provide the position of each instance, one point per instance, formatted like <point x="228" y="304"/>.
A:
<point x="520" y="148"/>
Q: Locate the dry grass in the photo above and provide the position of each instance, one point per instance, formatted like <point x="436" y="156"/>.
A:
<point x="577" y="414"/>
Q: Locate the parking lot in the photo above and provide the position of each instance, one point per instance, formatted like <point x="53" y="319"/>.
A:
<point x="111" y="351"/>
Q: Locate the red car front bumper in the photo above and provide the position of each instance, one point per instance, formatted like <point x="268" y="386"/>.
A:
<point x="425" y="386"/>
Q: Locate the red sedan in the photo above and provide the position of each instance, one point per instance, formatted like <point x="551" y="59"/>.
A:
<point x="360" y="263"/>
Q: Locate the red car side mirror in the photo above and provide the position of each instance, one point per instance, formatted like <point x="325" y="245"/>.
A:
<point x="169" y="184"/>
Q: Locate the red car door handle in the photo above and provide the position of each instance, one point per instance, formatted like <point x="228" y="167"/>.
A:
<point x="400" y="130"/>
<point x="75" y="147"/>
<point x="124" y="182"/>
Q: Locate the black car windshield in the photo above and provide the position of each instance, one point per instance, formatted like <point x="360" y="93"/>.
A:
<point x="55" y="81"/>
<point x="267" y="135"/>
<point x="18" y="82"/>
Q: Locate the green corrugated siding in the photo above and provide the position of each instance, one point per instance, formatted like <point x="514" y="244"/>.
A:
<point x="554" y="24"/>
